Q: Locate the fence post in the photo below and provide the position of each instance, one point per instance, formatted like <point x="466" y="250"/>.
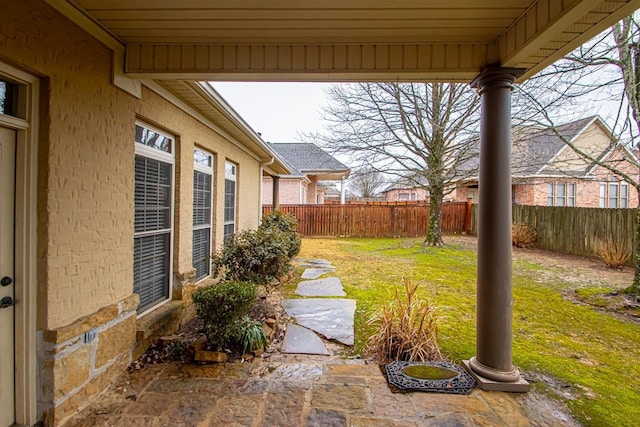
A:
<point x="467" y="217"/>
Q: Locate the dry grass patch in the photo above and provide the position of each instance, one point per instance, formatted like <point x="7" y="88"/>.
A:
<point x="523" y="235"/>
<point x="614" y="254"/>
<point x="407" y="329"/>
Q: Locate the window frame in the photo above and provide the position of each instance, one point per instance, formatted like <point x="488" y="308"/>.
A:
<point x="161" y="156"/>
<point x="208" y="170"/>
<point x="624" y="185"/>
<point x="551" y="194"/>
<point x="571" y="194"/>
<point x="568" y="196"/>
<point x="234" y="178"/>
<point x="622" y="202"/>
<point x="560" y="186"/>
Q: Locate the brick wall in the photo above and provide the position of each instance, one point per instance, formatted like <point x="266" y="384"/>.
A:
<point x="290" y="191"/>
<point x="408" y="194"/>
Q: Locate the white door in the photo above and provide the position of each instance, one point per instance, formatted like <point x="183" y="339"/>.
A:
<point x="7" y="192"/>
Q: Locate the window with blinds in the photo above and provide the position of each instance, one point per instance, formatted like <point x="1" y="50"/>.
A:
<point x="229" y="200"/>
<point x="202" y="199"/>
<point x="153" y="218"/>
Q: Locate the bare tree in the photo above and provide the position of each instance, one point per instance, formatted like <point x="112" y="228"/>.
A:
<point x="418" y="132"/>
<point x="605" y="70"/>
<point x="366" y="182"/>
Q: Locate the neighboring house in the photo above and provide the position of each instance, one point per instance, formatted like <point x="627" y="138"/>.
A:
<point x="405" y="190"/>
<point x="310" y="165"/>
<point x="547" y="172"/>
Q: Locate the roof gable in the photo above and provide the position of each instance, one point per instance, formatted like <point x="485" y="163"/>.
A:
<point x="540" y="152"/>
<point x="308" y="158"/>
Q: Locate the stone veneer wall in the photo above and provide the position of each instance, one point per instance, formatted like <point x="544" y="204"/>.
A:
<point x="82" y="358"/>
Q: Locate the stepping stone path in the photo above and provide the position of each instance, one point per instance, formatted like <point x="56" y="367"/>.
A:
<point x="332" y="318"/>
<point x="314" y="273"/>
<point x="329" y="287"/>
<point x="299" y="340"/>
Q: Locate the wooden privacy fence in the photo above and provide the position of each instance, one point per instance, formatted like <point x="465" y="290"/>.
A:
<point x="575" y="231"/>
<point x="374" y="220"/>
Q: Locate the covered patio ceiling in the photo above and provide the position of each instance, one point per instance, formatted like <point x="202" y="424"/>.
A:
<point x="338" y="40"/>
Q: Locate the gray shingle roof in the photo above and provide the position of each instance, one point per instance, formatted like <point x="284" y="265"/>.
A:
<point x="536" y="149"/>
<point x="307" y="158"/>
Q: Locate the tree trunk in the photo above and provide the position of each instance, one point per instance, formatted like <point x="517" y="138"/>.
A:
<point x="434" y="233"/>
<point x="634" y="289"/>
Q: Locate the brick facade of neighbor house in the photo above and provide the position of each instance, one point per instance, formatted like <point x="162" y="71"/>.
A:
<point x="549" y="183"/>
<point x="291" y="190"/>
<point x="405" y="194"/>
<point x="86" y="204"/>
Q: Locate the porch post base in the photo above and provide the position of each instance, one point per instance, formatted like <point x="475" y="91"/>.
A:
<point x="510" y="382"/>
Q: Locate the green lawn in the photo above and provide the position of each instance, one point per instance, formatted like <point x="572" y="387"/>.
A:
<point x="595" y="354"/>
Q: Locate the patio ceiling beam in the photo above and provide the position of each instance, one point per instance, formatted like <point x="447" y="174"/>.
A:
<point x="320" y="62"/>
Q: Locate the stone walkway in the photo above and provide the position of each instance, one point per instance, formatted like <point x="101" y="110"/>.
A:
<point x="333" y="318"/>
<point x="293" y="391"/>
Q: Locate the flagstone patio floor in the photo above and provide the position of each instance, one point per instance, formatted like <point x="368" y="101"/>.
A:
<point x="296" y="390"/>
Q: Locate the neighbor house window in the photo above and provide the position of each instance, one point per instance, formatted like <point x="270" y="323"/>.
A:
<point x="202" y="199"/>
<point x="614" y="195"/>
<point x="624" y="195"/>
<point x="153" y="221"/>
<point x="230" y="184"/>
<point x="550" y="194"/>
<point x="571" y="195"/>
<point x="561" y="191"/>
<point x="561" y="194"/>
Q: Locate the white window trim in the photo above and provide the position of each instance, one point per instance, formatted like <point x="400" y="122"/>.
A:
<point x="606" y="185"/>
<point x="155" y="154"/>
<point x="210" y="171"/>
<point x="554" y="196"/>
<point x="234" y="178"/>
<point x="625" y="185"/>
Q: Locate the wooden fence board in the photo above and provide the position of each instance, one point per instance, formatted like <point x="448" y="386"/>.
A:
<point x="373" y="220"/>
<point x="575" y="231"/>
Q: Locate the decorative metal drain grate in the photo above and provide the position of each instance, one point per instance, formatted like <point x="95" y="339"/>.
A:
<point x="462" y="383"/>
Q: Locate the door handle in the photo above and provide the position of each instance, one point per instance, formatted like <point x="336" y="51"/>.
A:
<point x="6" y="281"/>
<point x="7" y="302"/>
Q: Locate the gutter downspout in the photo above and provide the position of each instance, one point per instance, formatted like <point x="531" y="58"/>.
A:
<point x="261" y="173"/>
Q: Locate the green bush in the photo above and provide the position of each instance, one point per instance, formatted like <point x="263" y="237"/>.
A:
<point x="259" y="256"/>
<point x="221" y="307"/>
<point x="287" y="224"/>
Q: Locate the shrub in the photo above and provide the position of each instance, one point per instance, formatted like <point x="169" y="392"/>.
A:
<point x="523" y="235"/>
<point x="259" y="256"/>
<point x="221" y="306"/>
<point x="177" y="351"/>
<point x="407" y="329"/>
<point x="287" y="224"/>
<point x="250" y="335"/>
<point x="614" y="254"/>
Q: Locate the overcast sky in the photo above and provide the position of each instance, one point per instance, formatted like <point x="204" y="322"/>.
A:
<point x="279" y="111"/>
